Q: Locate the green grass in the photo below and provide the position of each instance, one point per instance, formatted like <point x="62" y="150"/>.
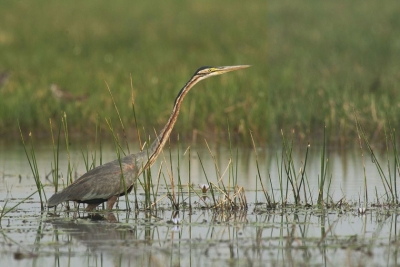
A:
<point x="312" y="64"/>
<point x="328" y="57"/>
<point x="80" y="46"/>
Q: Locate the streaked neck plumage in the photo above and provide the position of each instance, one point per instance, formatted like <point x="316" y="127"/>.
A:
<point x="156" y="147"/>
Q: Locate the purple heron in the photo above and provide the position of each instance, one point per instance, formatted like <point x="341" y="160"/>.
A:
<point x="113" y="179"/>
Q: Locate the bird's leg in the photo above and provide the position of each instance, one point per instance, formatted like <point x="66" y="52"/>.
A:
<point x="91" y="207"/>
<point x="111" y="201"/>
<point x="111" y="218"/>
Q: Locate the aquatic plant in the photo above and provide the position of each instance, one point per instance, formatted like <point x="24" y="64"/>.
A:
<point x="5" y="210"/>
<point x="323" y="174"/>
<point x="34" y="168"/>
<point x="389" y="181"/>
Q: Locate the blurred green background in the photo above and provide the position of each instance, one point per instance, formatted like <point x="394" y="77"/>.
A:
<point x="314" y="63"/>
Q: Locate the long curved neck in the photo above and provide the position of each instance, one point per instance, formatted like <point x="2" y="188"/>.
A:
<point x="156" y="147"/>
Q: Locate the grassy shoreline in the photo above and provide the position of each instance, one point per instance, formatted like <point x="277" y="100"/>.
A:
<point x="314" y="64"/>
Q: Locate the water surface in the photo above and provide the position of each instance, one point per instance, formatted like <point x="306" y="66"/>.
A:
<point x="200" y="237"/>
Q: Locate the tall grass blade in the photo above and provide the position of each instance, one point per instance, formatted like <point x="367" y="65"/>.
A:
<point x="4" y="211"/>
<point x="190" y="178"/>
<point x="117" y="150"/>
<point x="396" y="162"/>
<point x="208" y="182"/>
<point x="291" y="177"/>
<point x="134" y="114"/>
<point x="385" y="182"/>
<point x="322" y="177"/>
<point x="34" y="168"/>
<point x="358" y="126"/>
<point x="65" y="126"/>
<point x="270" y="204"/>
<point x="119" y="117"/>
<point x="56" y="154"/>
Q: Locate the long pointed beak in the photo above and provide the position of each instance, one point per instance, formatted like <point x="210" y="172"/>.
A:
<point x="225" y="69"/>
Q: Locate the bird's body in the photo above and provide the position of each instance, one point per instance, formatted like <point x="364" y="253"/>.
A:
<point x="96" y="187"/>
<point x="105" y="182"/>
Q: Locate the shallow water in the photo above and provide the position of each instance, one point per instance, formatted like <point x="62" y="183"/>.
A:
<point x="345" y="168"/>
<point x="202" y="237"/>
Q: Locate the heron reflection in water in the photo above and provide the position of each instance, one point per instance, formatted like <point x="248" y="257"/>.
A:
<point x="116" y="178"/>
